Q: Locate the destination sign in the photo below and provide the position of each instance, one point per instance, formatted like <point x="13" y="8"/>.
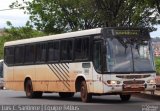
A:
<point x="127" y="32"/>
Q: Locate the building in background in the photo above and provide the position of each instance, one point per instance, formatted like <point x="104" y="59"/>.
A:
<point x="156" y="46"/>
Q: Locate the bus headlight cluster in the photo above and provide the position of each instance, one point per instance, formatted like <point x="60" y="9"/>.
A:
<point x="151" y="81"/>
<point x="113" y="82"/>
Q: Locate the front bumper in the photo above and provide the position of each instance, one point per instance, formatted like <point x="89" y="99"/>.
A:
<point x="129" y="88"/>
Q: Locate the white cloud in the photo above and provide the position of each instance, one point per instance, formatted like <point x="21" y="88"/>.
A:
<point x="16" y="16"/>
<point x="157" y="32"/>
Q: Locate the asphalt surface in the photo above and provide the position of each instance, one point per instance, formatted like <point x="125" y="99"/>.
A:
<point x="16" y="100"/>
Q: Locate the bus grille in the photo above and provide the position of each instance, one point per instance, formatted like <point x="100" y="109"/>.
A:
<point x="132" y="76"/>
<point x="134" y="82"/>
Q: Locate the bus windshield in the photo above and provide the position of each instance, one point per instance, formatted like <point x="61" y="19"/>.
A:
<point x="129" y="55"/>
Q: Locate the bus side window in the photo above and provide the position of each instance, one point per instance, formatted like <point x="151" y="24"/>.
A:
<point x="41" y="52"/>
<point x="53" y="51"/>
<point x="9" y="55"/>
<point x="66" y="50"/>
<point x="82" y="48"/>
<point x="30" y="54"/>
<point x="19" y="54"/>
<point x="1" y="69"/>
<point x="97" y="56"/>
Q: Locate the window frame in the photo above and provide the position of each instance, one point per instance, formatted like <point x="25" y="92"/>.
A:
<point x="34" y="57"/>
<point x="89" y="48"/>
<point x="73" y="60"/>
<point x="100" y="41"/>
<point x="72" y="51"/>
<point x="19" y="46"/>
<point x="36" y="52"/>
<point x="53" y="61"/>
<point x="5" y="56"/>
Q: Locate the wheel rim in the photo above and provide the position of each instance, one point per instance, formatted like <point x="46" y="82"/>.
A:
<point x="28" y="90"/>
<point x="83" y="93"/>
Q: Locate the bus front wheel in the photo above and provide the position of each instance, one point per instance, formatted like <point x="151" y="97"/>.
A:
<point x="85" y="96"/>
<point x="125" y="97"/>
<point x="29" y="90"/>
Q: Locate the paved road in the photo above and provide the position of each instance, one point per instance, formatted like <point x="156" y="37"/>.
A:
<point x="50" y="101"/>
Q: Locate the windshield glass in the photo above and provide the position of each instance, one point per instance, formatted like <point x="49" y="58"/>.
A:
<point x="125" y="55"/>
<point x="142" y="57"/>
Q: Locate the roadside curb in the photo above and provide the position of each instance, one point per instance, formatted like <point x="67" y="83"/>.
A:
<point x="148" y="96"/>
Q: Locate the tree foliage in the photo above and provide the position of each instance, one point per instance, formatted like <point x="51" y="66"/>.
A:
<point x="17" y="33"/>
<point x="62" y="15"/>
<point x="154" y="4"/>
<point x="157" y="63"/>
<point x="69" y="15"/>
<point x="131" y="13"/>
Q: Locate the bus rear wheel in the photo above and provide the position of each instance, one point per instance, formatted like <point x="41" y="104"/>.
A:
<point x="29" y="90"/>
<point x="85" y="96"/>
<point x="66" y="94"/>
<point x="125" y="97"/>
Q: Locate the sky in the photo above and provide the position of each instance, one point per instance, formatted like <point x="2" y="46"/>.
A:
<point x="18" y="18"/>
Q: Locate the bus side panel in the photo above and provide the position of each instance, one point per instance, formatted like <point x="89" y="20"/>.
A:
<point x="52" y="79"/>
<point x="82" y="69"/>
<point x="75" y="69"/>
<point x="61" y="77"/>
<point x="8" y="76"/>
<point x="18" y="76"/>
<point x="97" y="81"/>
<point x="21" y="73"/>
<point x="42" y="78"/>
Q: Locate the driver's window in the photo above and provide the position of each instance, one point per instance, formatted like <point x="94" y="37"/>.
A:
<point x="97" y="56"/>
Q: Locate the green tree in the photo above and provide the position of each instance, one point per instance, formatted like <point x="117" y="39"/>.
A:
<point x="157" y="63"/>
<point x="131" y="13"/>
<point x="69" y="15"/>
<point x="17" y="33"/>
<point x="61" y="15"/>
<point x="154" y="4"/>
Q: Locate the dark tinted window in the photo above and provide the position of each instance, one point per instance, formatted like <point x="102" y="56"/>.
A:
<point x="30" y="54"/>
<point x="82" y="48"/>
<point x="97" y="56"/>
<point x="66" y="49"/>
<point x="41" y="52"/>
<point x="19" y="54"/>
<point x="53" y="51"/>
<point x="9" y="55"/>
<point x="1" y="69"/>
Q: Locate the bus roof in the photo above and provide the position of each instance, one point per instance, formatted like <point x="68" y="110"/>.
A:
<point x="57" y="36"/>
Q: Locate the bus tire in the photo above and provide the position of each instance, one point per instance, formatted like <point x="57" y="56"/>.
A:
<point x="125" y="97"/>
<point x="66" y="94"/>
<point x="29" y="90"/>
<point x="85" y="96"/>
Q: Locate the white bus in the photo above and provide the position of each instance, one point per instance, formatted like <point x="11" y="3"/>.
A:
<point x="1" y="75"/>
<point x="101" y="61"/>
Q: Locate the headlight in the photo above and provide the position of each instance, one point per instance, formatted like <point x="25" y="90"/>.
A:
<point x="151" y="81"/>
<point x="113" y="82"/>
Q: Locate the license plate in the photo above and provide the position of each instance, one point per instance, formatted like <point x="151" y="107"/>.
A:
<point x="135" y="86"/>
